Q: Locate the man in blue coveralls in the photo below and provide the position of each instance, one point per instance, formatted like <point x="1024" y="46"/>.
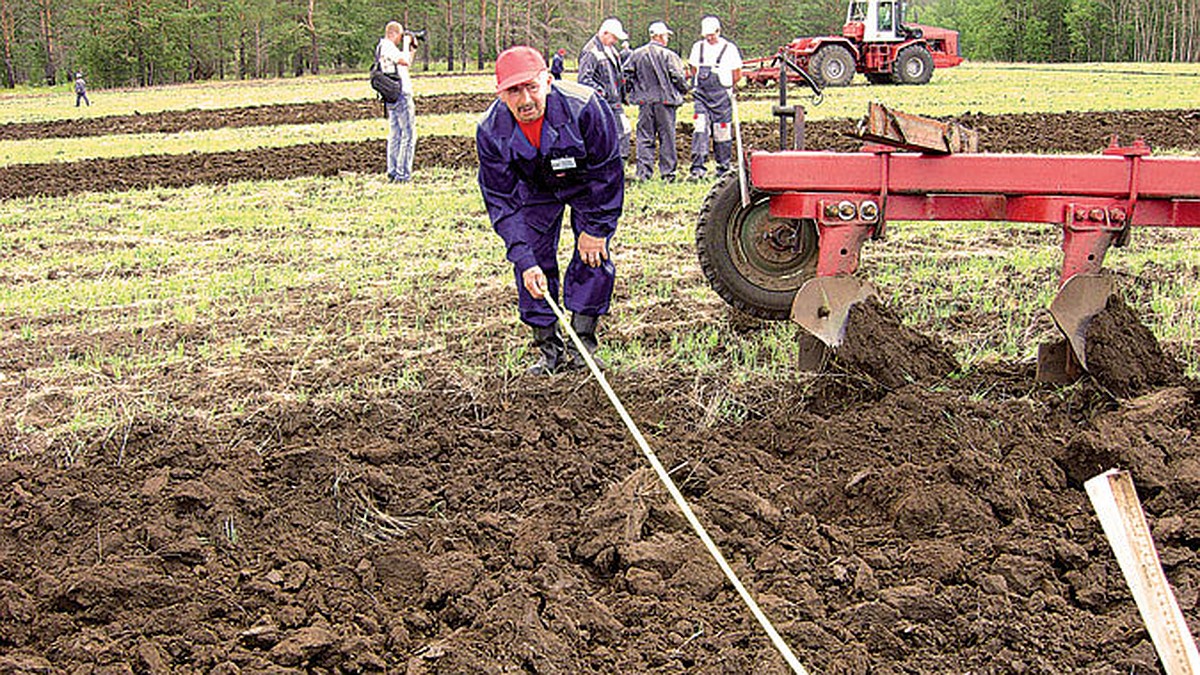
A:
<point x="544" y="145"/>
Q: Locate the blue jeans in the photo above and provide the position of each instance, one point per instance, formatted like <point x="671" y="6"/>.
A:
<point x="402" y="138"/>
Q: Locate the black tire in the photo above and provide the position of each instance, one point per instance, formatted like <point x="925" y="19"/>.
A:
<point x="879" y="78"/>
<point x="914" y="65"/>
<point x="755" y="262"/>
<point x="832" y="66"/>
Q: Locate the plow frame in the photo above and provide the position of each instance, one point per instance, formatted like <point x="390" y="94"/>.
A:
<point x="1095" y="199"/>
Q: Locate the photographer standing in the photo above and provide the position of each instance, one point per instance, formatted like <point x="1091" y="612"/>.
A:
<point x="395" y="54"/>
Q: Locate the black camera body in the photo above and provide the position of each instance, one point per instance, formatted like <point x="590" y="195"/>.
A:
<point x="417" y="34"/>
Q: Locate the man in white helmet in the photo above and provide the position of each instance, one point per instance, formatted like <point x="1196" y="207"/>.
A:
<point x="600" y="68"/>
<point x="657" y="86"/>
<point x="714" y="65"/>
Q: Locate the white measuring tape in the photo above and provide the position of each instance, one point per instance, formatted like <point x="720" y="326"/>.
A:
<point x="663" y="476"/>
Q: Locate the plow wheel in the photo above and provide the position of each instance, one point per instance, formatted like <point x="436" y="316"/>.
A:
<point x="755" y="262"/>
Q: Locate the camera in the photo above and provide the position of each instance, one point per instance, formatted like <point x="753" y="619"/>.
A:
<point x="416" y="34"/>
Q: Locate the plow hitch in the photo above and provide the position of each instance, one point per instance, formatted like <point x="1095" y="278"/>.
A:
<point x="850" y="198"/>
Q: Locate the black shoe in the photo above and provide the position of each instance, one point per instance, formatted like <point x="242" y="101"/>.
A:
<point x="551" y="357"/>
<point x="585" y="327"/>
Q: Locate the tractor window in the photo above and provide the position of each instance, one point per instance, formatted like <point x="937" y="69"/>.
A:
<point x="885" y="16"/>
<point x="858" y="12"/>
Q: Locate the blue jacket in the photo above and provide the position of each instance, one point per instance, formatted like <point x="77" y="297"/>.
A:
<point x="579" y="165"/>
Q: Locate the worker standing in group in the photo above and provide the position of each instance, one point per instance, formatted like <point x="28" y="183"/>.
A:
<point x="714" y="65"/>
<point x="543" y="145"/>
<point x="657" y="86"/>
<point x="600" y="68"/>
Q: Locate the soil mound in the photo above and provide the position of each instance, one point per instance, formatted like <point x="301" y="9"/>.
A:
<point x="1124" y="356"/>
<point x="881" y="348"/>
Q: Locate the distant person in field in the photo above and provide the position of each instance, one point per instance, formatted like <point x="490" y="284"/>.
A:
<point x="657" y="87"/>
<point x="81" y="90"/>
<point x="600" y="68"/>
<point x="556" y="63"/>
<point x="543" y="145"/>
<point x="715" y="65"/>
<point x="395" y="54"/>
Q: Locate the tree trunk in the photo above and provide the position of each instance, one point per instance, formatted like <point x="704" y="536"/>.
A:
<point x="8" y="26"/>
<point x="462" y="34"/>
<point x="449" y="36"/>
<point x="310" y="24"/>
<point x="46" y="22"/>
<point x="259" y="66"/>
<point x="500" y="9"/>
<point x="191" y="44"/>
<point x="482" y="34"/>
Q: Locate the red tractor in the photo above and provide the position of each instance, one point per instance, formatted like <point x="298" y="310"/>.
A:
<point x="875" y="42"/>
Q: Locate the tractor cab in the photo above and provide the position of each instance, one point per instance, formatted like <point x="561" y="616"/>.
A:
<point x="875" y="21"/>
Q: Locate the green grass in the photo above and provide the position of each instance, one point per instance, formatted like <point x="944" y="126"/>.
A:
<point x="995" y="88"/>
<point x="983" y="87"/>
<point x="37" y="105"/>
<point x="971" y="87"/>
<point x="220" y="301"/>
<point x="220" y="140"/>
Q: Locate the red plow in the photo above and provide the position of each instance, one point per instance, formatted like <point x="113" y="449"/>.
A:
<point x="792" y="250"/>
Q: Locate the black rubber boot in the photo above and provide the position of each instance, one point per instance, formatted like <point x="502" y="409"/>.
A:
<point x="585" y="327"/>
<point x="550" y="350"/>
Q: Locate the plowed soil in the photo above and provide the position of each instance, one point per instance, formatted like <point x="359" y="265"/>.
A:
<point x="891" y="515"/>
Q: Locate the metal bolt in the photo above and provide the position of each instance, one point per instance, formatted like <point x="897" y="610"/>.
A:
<point x="1117" y="215"/>
<point x="846" y="210"/>
<point x="1096" y="214"/>
<point x="868" y="210"/>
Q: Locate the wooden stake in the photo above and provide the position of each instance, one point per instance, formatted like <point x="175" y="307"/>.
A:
<point x="1120" y="512"/>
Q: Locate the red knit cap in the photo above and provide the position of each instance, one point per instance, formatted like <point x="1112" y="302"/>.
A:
<point x="518" y="65"/>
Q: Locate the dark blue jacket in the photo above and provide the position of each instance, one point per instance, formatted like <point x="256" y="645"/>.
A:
<point x="579" y="165"/>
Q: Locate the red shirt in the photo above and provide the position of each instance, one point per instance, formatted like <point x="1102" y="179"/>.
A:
<point x="533" y="131"/>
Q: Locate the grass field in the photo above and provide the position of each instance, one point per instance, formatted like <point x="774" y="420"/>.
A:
<point x="348" y="268"/>
<point x="986" y="87"/>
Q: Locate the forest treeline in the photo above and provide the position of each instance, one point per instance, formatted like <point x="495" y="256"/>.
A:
<point x="145" y="42"/>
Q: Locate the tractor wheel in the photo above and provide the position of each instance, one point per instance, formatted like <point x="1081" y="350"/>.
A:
<point x="832" y="66"/>
<point x="879" y="78"/>
<point x="753" y="261"/>
<point x="914" y="65"/>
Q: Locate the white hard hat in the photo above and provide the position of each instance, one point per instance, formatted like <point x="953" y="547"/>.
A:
<point x="710" y="25"/>
<point x="660" y="28"/>
<point x="614" y="26"/>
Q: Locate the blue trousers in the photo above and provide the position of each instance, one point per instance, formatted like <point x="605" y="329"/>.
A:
<point x="585" y="290"/>
<point x="714" y="121"/>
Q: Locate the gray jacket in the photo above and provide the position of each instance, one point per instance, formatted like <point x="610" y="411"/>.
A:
<point x="656" y="74"/>
<point x="600" y="69"/>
